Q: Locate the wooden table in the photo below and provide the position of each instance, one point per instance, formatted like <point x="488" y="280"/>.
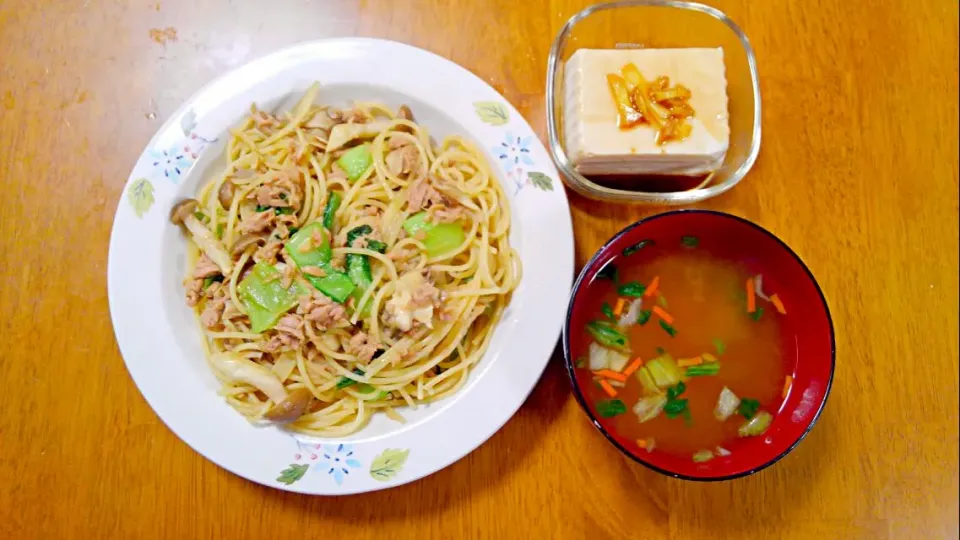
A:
<point x="858" y="172"/>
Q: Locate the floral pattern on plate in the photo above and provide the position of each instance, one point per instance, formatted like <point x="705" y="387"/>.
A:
<point x="513" y="152"/>
<point x="339" y="461"/>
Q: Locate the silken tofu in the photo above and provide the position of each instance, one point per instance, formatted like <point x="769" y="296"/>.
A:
<point x="597" y="146"/>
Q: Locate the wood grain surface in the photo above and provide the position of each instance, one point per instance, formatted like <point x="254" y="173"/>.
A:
<point x="858" y="172"/>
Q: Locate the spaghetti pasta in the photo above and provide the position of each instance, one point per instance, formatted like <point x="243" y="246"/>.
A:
<point x="341" y="264"/>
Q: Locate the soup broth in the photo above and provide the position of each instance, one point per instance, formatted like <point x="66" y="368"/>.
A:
<point x="698" y="317"/>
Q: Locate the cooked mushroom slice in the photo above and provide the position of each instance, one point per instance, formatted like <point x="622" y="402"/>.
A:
<point x="245" y="242"/>
<point x="405" y="113"/>
<point x="183" y="214"/>
<point x="226" y="193"/>
<point x="290" y="408"/>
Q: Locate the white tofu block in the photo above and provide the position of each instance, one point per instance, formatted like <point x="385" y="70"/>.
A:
<point x="597" y="146"/>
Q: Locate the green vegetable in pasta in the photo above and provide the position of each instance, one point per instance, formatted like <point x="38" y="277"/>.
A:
<point x="264" y="298"/>
<point x="330" y="210"/>
<point x="356" y="161"/>
<point x="438" y="238"/>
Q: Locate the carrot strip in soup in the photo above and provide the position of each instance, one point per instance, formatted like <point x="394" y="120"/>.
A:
<point x="707" y="357"/>
<point x="787" y="384"/>
<point x="611" y="391"/>
<point x="634" y="366"/>
<point x="618" y="309"/>
<point x="610" y="374"/>
<point x="778" y="304"/>
<point x="751" y="296"/>
<point x="652" y="289"/>
<point x="685" y="362"/>
<point x="663" y="314"/>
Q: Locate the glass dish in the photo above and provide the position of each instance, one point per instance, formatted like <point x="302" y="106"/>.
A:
<point x="660" y="24"/>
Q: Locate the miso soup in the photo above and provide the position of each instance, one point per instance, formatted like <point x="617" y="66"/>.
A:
<point x="685" y="351"/>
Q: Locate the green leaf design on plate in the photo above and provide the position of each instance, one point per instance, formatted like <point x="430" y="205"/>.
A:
<point x="492" y="112"/>
<point x="292" y="473"/>
<point x="140" y="196"/>
<point x="388" y="464"/>
<point x="541" y="181"/>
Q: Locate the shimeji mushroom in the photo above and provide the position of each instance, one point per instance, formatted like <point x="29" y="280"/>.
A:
<point x="225" y="193"/>
<point x="183" y="214"/>
<point x="287" y="406"/>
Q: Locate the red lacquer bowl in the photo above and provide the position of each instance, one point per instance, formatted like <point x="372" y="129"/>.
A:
<point x="813" y="357"/>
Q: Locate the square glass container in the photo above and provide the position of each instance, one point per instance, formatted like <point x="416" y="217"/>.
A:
<point x="660" y="24"/>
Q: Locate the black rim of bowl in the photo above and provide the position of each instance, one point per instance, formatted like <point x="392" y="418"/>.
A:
<point x="593" y="419"/>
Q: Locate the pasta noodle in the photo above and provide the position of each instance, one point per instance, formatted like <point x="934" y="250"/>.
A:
<point x="341" y="265"/>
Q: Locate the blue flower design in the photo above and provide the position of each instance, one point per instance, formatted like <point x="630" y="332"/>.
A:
<point x="514" y="151"/>
<point x="337" y="460"/>
<point x="174" y="162"/>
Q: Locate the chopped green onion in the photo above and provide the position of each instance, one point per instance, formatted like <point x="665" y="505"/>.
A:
<point x="606" y="335"/>
<point x="283" y="210"/>
<point x="720" y="346"/>
<point x="581" y="362"/>
<point x="674" y="391"/>
<point x="644" y="317"/>
<point x="262" y="208"/>
<point x="748" y="408"/>
<point x="608" y="272"/>
<point x="630" y="250"/>
<point x="633" y="289"/>
<point x="711" y="368"/>
<point x="661" y="351"/>
<point x="675" y="407"/>
<point x="607" y="311"/>
<point x="662" y="301"/>
<point x="757" y="314"/>
<point x="668" y="329"/>
<point x="199" y="215"/>
<point x="690" y="241"/>
<point x="610" y="408"/>
<point x="293" y="230"/>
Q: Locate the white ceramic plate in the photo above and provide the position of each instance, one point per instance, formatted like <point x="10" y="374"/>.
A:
<point x="160" y="341"/>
